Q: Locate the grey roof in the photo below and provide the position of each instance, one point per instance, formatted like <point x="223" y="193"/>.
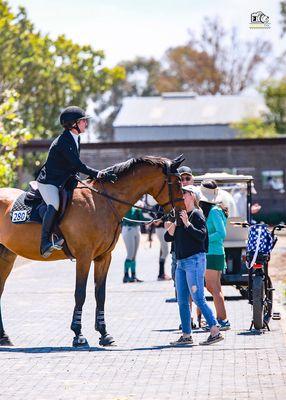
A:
<point x="175" y="109"/>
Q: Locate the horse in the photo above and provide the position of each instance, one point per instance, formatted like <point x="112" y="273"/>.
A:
<point x="91" y="227"/>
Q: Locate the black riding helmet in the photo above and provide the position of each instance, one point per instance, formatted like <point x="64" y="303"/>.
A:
<point x="71" y="115"/>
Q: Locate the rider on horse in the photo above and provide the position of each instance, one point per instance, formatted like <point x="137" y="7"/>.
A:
<point x="62" y="163"/>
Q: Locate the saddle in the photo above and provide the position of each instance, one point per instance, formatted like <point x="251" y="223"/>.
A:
<point x="29" y="207"/>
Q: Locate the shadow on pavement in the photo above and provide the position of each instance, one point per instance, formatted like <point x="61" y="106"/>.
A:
<point x="196" y="330"/>
<point x="48" y="349"/>
<point x="228" y="298"/>
<point x="43" y="350"/>
<point x="253" y="332"/>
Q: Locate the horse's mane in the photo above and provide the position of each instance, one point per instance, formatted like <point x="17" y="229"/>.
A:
<point x="129" y="165"/>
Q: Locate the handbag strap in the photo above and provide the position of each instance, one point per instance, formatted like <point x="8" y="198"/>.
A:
<point x="257" y="247"/>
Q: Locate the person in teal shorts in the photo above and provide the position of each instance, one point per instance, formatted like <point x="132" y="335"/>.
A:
<point x="216" y="216"/>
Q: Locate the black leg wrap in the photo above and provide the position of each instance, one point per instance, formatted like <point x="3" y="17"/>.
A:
<point x="4" y="340"/>
<point x="105" y="339"/>
<point x="100" y="323"/>
<point x="101" y="328"/>
<point x="76" y="322"/>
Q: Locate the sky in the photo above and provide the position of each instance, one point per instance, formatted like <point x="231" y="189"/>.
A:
<point x="125" y="29"/>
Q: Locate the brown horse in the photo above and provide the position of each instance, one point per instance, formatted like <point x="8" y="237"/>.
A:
<point x="91" y="227"/>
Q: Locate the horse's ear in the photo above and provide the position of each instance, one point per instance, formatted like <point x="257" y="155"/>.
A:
<point x="177" y="162"/>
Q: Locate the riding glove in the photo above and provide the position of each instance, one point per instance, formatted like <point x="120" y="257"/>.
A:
<point x="107" y="176"/>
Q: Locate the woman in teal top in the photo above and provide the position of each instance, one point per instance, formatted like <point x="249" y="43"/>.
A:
<point x="216" y="225"/>
<point x="216" y="217"/>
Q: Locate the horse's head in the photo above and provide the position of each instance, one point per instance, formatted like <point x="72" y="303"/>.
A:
<point x="168" y="192"/>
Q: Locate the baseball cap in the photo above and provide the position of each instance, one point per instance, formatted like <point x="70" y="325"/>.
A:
<point x="185" y="170"/>
<point x="193" y="189"/>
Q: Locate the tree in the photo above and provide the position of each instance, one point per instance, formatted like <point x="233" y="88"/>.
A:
<point x="217" y="62"/>
<point x="255" y="128"/>
<point x="140" y="75"/>
<point x="283" y="16"/>
<point x="273" y="122"/>
<point x="275" y="98"/>
<point x="189" y="70"/>
<point x="12" y="133"/>
<point x="48" y="74"/>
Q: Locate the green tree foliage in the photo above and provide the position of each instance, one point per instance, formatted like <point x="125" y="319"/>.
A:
<point x="48" y="74"/>
<point x="273" y="122"/>
<point x="255" y="128"/>
<point x="12" y="133"/>
<point x="275" y="98"/>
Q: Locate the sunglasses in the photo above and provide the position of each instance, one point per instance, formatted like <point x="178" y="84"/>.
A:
<point x="186" y="178"/>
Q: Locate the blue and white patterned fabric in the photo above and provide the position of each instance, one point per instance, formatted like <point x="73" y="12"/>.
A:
<point x="264" y="241"/>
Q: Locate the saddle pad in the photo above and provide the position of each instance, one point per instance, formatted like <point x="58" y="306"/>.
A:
<point x="24" y="211"/>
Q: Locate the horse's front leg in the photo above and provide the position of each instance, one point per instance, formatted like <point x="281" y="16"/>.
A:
<point x="101" y="266"/>
<point x="82" y="270"/>
<point x="7" y="259"/>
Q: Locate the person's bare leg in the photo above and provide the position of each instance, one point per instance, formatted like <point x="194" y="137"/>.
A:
<point x="213" y="285"/>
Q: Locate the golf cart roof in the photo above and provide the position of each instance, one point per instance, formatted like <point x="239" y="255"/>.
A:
<point x="223" y="177"/>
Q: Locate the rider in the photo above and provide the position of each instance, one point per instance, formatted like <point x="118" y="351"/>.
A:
<point x="62" y="163"/>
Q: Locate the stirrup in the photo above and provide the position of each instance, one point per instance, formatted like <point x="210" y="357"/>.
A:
<point x="47" y="252"/>
<point x="57" y="243"/>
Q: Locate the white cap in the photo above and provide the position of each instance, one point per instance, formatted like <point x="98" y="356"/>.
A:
<point x="193" y="189"/>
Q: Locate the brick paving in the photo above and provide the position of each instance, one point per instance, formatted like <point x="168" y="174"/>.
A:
<point x="37" y="308"/>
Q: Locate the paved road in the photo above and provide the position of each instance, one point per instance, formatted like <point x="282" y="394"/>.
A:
<point x="42" y="365"/>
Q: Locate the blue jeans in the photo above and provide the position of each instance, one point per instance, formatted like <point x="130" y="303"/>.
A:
<point x="173" y="265"/>
<point x="190" y="274"/>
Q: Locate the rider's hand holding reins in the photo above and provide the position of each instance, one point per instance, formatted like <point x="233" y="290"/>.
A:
<point x="107" y="176"/>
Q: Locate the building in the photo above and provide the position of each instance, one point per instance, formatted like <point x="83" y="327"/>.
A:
<point x="183" y="116"/>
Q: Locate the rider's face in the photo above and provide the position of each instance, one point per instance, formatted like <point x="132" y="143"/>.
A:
<point x="82" y="124"/>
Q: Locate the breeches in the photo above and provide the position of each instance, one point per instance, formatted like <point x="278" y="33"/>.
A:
<point x="50" y="194"/>
<point x="164" y="249"/>
<point x="131" y="237"/>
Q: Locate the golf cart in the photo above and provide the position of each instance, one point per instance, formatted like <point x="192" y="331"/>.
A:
<point x="234" y="187"/>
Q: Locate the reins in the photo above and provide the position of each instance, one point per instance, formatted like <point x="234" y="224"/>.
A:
<point x="109" y="197"/>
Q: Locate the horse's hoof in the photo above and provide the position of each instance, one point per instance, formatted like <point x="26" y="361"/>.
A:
<point x="80" y="341"/>
<point x="5" y="341"/>
<point x="106" y="340"/>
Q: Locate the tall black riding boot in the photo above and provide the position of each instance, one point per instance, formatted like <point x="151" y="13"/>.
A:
<point x="162" y="276"/>
<point x="47" y="246"/>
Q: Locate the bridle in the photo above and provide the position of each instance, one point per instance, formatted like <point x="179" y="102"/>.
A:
<point x="167" y="181"/>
